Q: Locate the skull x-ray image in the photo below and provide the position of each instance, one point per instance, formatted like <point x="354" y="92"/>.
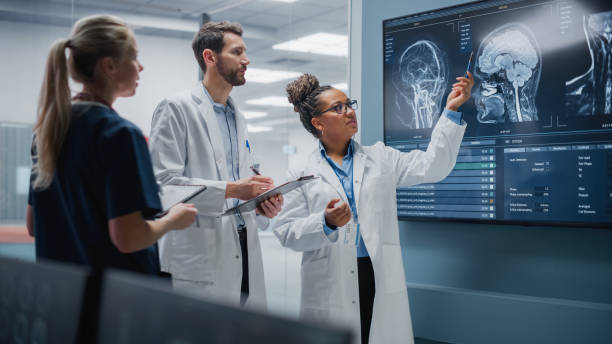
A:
<point x="507" y="69"/>
<point x="591" y="93"/>
<point x="420" y="78"/>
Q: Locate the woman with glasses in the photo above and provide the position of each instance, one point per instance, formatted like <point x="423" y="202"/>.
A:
<point x="345" y="223"/>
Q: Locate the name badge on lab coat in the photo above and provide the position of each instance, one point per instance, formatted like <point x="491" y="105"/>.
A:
<point x="351" y="233"/>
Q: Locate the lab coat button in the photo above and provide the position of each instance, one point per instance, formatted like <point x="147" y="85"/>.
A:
<point x="353" y="301"/>
<point x="352" y="271"/>
<point x="237" y="257"/>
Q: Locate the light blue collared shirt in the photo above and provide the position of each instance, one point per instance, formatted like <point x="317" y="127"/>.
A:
<point x="345" y="175"/>
<point x="226" y="117"/>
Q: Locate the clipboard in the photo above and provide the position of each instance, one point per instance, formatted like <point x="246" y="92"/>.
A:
<point x="173" y="194"/>
<point x="279" y="190"/>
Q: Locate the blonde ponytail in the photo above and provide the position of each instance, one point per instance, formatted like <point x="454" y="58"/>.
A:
<point x="54" y="113"/>
<point x="92" y="38"/>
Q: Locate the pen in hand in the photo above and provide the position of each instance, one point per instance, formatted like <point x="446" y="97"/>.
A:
<point x="469" y="65"/>
<point x="255" y="170"/>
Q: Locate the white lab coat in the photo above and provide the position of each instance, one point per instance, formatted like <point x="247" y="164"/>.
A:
<point x="187" y="148"/>
<point x="330" y="290"/>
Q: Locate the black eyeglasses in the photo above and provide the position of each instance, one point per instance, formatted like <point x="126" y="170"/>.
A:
<point x="341" y="108"/>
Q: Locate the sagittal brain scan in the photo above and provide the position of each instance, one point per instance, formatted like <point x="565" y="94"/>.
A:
<point x="537" y="147"/>
<point x="591" y="93"/>
<point x="507" y="68"/>
<point x="421" y="79"/>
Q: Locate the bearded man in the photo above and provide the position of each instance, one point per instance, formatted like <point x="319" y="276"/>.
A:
<point x="200" y="137"/>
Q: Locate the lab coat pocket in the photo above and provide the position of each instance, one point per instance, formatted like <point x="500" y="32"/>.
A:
<point x="393" y="269"/>
<point x="195" y="250"/>
<point x="315" y="290"/>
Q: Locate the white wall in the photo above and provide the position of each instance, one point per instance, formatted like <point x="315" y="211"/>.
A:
<point x="24" y="50"/>
<point x="169" y="66"/>
<point x="267" y="148"/>
<point x="305" y="143"/>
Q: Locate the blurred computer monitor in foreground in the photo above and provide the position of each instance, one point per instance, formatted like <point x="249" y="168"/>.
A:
<point x="40" y="302"/>
<point x="138" y="309"/>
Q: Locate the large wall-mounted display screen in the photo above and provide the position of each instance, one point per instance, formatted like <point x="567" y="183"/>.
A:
<point x="538" y="145"/>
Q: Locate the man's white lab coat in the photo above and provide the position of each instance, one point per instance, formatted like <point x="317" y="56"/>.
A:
<point x="187" y="148"/>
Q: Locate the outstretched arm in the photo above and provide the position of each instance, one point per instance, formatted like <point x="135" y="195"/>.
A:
<point x="131" y="232"/>
<point x="438" y="160"/>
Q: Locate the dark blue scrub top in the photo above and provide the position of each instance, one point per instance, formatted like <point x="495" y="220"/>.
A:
<point x="104" y="171"/>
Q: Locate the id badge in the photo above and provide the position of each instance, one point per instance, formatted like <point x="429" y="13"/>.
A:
<point x="351" y="233"/>
<point x="348" y="229"/>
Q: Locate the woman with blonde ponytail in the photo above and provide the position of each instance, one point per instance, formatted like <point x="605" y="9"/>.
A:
<point x="53" y="114"/>
<point x="92" y="183"/>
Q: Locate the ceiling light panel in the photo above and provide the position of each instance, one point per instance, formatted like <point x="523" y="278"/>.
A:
<point x="254" y="114"/>
<point x="318" y="43"/>
<point x="270" y="101"/>
<point x="257" y="129"/>
<point x="292" y="120"/>
<point x="342" y="86"/>
<point x="268" y="76"/>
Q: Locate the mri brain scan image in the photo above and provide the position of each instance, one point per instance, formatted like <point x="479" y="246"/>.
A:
<point x="421" y="78"/>
<point x="507" y="71"/>
<point x="591" y="93"/>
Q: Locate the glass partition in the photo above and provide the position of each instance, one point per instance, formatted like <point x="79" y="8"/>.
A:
<point x="279" y="36"/>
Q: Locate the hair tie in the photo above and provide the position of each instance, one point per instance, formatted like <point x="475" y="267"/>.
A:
<point x="68" y="44"/>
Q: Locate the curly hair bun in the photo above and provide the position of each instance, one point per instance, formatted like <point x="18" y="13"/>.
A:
<point x="299" y="89"/>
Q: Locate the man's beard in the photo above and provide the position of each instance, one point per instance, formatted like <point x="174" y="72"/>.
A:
<point x="232" y="77"/>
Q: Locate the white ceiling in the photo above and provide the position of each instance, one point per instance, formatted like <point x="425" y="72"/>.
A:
<point x="265" y="23"/>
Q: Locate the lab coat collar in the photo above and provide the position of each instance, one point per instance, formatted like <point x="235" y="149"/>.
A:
<point x="327" y="173"/>
<point x="202" y="98"/>
<point x="243" y="155"/>
<point x="355" y="148"/>
<point x="212" y="127"/>
<point x="359" y="160"/>
<point x="230" y="101"/>
<point x="349" y="152"/>
<point x="244" y="148"/>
